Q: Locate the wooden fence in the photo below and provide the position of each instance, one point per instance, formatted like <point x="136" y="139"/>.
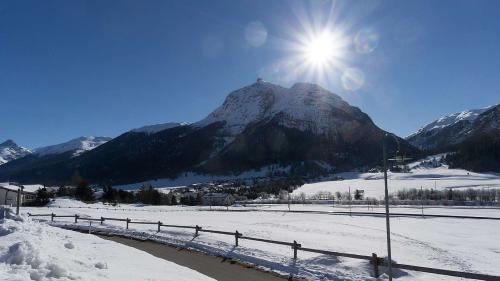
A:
<point x="374" y="260"/>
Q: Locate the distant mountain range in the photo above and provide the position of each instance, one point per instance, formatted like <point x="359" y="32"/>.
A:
<point x="472" y="137"/>
<point x="304" y="130"/>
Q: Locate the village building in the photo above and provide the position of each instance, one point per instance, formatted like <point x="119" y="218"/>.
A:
<point x="8" y="193"/>
<point x="218" y="199"/>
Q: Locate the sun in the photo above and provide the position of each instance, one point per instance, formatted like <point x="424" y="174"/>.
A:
<point x="321" y="49"/>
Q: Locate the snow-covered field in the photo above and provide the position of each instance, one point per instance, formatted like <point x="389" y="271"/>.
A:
<point x="373" y="183"/>
<point x="457" y="244"/>
<point x="31" y="250"/>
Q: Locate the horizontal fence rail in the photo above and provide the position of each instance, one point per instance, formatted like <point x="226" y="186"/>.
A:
<point x="374" y="259"/>
<point x="357" y="213"/>
<point x="454" y="273"/>
<point x="373" y="214"/>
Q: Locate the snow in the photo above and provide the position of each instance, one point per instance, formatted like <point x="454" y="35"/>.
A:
<point x="78" y="145"/>
<point x="36" y="251"/>
<point x="427" y="178"/>
<point x="445" y="121"/>
<point x="9" y="151"/>
<point x="304" y="106"/>
<point x="151" y="129"/>
<point x="457" y="244"/>
<point x="27" y="187"/>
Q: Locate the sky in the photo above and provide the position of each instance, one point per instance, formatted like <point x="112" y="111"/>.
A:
<point x="101" y="68"/>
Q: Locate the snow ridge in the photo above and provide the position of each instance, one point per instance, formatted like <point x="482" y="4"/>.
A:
<point x="78" y="145"/>
<point x="151" y="129"/>
<point x="445" y="121"/>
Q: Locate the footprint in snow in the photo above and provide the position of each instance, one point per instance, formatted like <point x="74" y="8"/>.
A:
<point x="69" y="245"/>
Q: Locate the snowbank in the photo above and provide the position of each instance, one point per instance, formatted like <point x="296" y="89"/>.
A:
<point x="35" y="251"/>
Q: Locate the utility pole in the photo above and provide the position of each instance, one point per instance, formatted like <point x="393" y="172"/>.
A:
<point x="288" y="193"/>
<point x="350" y="202"/>
<point x="19" y="191"/>
<point x="422" y="199"/>
<point x="387" y="222"/>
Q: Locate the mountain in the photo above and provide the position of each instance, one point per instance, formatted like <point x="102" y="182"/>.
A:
<point x="480" y="149"/>
<point x="77" y="146"/>
<point x="9" y="151"/>
<point x="151" y="129"/>
<point x="266" y="124"/>
<point x="305" y="128"/>
<point x="446" y="131"/>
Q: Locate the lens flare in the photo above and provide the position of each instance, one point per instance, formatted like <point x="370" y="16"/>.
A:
<point x="353" y="79"/>
<point x="366" y="41"/>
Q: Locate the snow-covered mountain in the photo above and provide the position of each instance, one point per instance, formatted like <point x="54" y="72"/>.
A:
<point x="305" y="128"/>
<point x="9" y="151"/>
<point x="151" y="129"/>
<point x="447" y="130"/>
<point x="304" y="106"/>
<point x="77" y="145"/>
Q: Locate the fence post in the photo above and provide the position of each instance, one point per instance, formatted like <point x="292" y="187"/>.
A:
<point x="375" y="265"/>
<point x="159" y="224"/>
<point x="52" y="217"/>
<point x="128" y="221"/>
<point x="102" y="220"/>
<point x="236" y="236"/>
<point x="295" y="247"/>
<point x="76" y="218"/>
<point x="196" y="229"/>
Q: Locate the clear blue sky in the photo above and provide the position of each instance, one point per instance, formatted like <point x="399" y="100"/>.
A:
<point x="72" y="68"/>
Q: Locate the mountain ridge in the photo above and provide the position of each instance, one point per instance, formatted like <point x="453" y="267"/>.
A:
<point x="304" y="127"/>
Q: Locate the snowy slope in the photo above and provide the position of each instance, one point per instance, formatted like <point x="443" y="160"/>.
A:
<point x="151" y="129"/>
<point x="422" y="174"/>
<point x="449" y="129"/>
<point x="9" y="151"/>
<point x="35" y="251"/>
<point x="77" y="145"/>
<point x="445" y="121"/>
<point x="303" y="106"/>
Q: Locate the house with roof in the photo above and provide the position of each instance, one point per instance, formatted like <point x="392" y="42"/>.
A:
<point x="8" y="193"/>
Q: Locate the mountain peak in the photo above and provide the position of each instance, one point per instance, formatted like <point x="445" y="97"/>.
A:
<point x="8" y="143"/>
<point x="78" y="145"/>
<point x="305" y="106"/>
<point x="9" y="151"/>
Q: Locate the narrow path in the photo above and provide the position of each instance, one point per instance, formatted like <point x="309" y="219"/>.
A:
<point x="218" y="268"/>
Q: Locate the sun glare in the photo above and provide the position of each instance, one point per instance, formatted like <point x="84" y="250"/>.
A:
<point x="321" y="49"/>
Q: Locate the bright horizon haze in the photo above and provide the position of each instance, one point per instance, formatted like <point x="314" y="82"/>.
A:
<point x="101" y="68"/>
